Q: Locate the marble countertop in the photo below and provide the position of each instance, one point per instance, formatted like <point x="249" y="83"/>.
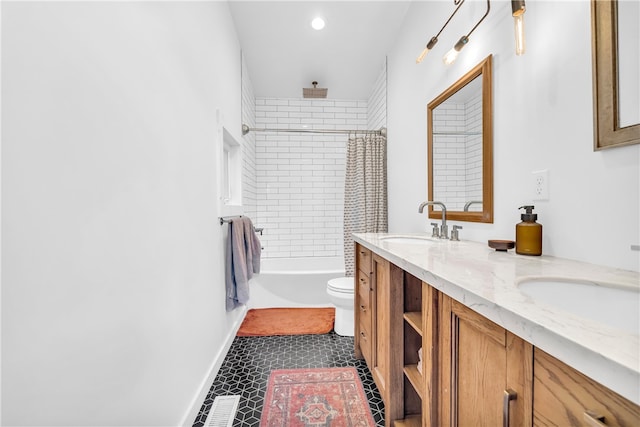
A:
<point x="487" y="281"/>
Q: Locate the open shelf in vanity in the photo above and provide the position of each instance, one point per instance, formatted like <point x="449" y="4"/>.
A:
<point x="412" y="343"/>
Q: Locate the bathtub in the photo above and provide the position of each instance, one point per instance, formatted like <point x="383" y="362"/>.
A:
<point x="294" y="282"/>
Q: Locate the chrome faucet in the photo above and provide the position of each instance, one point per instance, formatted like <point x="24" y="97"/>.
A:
<point x="444" y="232"/>
<point x="466" y="206"/>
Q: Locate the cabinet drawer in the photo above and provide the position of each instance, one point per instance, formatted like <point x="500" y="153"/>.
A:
<point x="364" y="310"/>
<point x="364" y="307"/>
<point x="364" y="259"/>
<point x="562" y="396"/>
<point x="364" y="286"/>
<point x="366" y="342"/>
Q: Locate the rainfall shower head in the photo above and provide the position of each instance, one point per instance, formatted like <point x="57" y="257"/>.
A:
<point x="314" y="92"/>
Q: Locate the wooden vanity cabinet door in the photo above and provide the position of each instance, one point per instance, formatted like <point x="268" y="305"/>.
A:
<point x="381" y="279"/>
<point x="364" y="309"/>
<point x="479" y="362"/>
<point x="562" y="395"/>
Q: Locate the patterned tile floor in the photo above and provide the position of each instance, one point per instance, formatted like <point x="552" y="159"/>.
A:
<point x="245" y="371"/>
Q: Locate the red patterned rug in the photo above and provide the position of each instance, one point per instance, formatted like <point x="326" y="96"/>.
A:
<point x="315" y="397"/>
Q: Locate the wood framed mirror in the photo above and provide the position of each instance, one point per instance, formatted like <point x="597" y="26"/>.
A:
<point x="460" y="147"/>
<point x="615" y="44"/>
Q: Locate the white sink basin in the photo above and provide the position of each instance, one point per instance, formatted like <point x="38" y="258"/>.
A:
<point x="411" y="240"/>
<point x="609" y="304"/>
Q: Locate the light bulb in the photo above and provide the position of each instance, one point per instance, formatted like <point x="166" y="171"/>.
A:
<point x="426" y="50"/>
<point x="518" y="8"/>
<point x="422" y="55"/>
<point x="450" y="56"/>
<point x="518" y="27"/>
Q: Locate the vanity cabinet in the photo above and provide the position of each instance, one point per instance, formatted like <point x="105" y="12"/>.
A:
<point x="474" y="372"/>
<point x="378" y="324"/>
<point x="485" y="371"/>
<point x="490" y="377"/>
<point x="563" y="396"/>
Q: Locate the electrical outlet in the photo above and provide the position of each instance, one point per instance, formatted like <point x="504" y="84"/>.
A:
<point x="540" y="185"/>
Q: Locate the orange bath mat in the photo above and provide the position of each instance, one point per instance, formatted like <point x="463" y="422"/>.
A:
<point x="260" y="322"/>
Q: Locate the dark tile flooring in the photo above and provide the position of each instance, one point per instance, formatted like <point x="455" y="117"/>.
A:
<point x="245" y="371"/>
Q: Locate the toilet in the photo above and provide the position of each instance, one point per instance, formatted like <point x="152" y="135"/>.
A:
<point x="340" y="292"/>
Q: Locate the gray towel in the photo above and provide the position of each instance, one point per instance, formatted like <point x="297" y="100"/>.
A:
<point x="242" y="260"/>
<point x="253" y="247"/>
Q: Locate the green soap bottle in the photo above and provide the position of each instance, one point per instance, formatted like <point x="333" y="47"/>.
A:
<point x="528" y="233"/>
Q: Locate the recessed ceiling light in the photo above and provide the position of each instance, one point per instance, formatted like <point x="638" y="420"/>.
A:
<point x="317" y="23"/>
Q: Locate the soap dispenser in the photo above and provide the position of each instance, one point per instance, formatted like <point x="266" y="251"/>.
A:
<point x="528" y="233"/>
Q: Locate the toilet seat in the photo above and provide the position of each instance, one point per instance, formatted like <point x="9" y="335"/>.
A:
<point x="341" y="285"/>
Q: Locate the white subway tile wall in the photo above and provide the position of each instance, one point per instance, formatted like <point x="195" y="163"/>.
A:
<point x="248" y="143"/>
<point x="473" y="178"/>
<point x="293" y="183"/>
<point x="300" y="177"/>
<point x="458" y="153"/>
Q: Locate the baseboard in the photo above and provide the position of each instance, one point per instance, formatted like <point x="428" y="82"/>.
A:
<point x="205" y="385"/>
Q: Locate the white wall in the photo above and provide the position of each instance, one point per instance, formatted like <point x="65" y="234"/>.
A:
<point x="112" y="278"/>
<point x="542" y="106"/>
<point x="377" y="102"/>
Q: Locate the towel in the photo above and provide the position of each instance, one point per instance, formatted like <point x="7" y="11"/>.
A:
<point x="242" y="261"/>
<point x="253" y="247"/>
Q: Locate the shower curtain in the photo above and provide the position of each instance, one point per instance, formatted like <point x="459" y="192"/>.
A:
<point x="365" y="193"/>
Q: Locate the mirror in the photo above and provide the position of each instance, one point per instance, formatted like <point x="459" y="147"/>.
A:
<point x="460" y="148"/>
<point x="616" y="73"/>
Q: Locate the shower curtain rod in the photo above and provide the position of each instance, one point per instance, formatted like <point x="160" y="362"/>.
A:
<point x="382" y="131"/>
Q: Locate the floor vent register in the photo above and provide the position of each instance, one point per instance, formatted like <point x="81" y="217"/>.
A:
<point x="223" y="411"/>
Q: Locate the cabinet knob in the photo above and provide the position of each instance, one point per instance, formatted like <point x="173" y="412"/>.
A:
<point x="593" y="419"/>
<point x="362" y="308"/>
<point x="509" y="395"/>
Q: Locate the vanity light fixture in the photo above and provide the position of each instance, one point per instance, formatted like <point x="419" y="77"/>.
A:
<point x="451" y="56"/>
<point x="434" y="39"/>
<point x="517" y="11"/>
